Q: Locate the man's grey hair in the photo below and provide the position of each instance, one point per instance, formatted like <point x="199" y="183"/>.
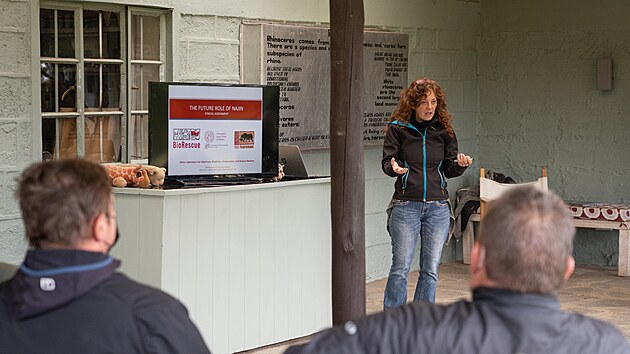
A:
<point x="528" y="236"/>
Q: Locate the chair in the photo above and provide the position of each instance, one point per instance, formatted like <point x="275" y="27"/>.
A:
<point x="490" y="190"/>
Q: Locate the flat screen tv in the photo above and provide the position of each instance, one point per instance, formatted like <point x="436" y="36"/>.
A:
<point x="209" y="132"/>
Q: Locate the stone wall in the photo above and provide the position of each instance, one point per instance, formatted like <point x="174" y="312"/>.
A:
<point x="16" y="119"/>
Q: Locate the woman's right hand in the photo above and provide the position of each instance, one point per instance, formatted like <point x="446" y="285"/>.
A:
<point x="399" y="170"/>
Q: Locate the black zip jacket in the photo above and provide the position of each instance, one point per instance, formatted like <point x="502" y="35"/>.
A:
<point x="66" y="301"/>
<point x="495" y="321"/>
<point x="428" y="152"/>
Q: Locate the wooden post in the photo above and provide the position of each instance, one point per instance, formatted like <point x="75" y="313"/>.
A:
<point x="347" y="160"/>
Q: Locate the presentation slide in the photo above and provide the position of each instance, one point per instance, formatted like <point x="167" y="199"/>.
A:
<point x="214" y="130"/>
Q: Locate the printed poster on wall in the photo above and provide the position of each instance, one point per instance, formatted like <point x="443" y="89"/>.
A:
<point x="215" y="130"/>
<point x="297" y="58"/>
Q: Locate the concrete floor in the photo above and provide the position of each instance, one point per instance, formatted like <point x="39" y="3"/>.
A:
<point x="594" y="291"/>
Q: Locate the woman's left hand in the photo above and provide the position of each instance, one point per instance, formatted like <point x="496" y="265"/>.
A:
<point x="464" y="160"/>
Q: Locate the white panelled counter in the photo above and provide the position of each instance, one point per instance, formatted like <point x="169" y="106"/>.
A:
<point x="252" y="263"/>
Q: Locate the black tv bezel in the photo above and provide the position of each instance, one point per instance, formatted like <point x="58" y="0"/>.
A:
<point x="159" y="123"/>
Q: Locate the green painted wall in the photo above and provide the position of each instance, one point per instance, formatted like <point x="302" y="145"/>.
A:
<point x="539" y="104"/>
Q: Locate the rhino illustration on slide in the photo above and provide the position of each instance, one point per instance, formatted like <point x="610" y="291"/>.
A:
<point x="247" y="137"/>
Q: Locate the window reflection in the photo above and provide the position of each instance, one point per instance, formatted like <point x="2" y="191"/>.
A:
<point x="91" y="42"/>
<point x="67" y="138"/>
<point x="102" y="138"/>
<point x="47" y="79"/>
<point x="67" y="88"/>
<point x="102" y="86"/>
<point x="49" y="133"/>
<point x="65" y="23"/>
<point x="138" y="133"/>
<point x="111" y="35"/>
<point x="142" y="74"/>
<point x="58" y="83"/>
<point x="103" y="25"/>
<point x="145" y="39"/>
<point x="47" y="33"/>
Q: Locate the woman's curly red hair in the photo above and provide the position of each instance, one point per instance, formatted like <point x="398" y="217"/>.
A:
<point x="411" y="96"/>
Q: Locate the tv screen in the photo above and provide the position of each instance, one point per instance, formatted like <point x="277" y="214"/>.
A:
<point x="213" y="131"/>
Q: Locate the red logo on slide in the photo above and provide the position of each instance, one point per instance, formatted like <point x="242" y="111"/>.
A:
<point x="186" y="134"/>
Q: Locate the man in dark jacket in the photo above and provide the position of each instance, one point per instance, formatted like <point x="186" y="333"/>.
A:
<point x="67" y="296"/>
<point x="521" y="259"/>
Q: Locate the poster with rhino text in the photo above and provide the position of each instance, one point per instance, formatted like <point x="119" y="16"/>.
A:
<point x="297" y="59"/>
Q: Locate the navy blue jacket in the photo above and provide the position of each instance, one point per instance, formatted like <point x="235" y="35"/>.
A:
<point x="429" y="153"/>
<point x="65" y="301"/>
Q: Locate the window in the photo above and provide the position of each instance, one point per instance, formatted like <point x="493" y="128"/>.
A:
<point x="146" y="65"/>
<point x="91" y="106"/>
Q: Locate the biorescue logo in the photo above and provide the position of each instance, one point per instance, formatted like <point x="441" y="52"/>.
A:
<point x="186" y="138"/>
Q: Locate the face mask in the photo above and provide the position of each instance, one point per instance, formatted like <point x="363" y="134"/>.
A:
<point x="117" y="236"/>
<point x="115" y="241"/>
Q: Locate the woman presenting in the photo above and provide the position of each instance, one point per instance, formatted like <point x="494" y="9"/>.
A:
<point x="420" y="149"/>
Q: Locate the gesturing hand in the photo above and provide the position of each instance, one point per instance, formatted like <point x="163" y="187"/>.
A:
<point x="464" y="160"/>
<point x="399" y="170"/>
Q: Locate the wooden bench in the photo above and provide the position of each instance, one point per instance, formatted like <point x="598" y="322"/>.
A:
<point x="623" y="228"/>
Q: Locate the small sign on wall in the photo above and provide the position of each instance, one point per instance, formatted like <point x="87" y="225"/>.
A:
<point x="604" y="74"/>
<point x="297" y="58"/>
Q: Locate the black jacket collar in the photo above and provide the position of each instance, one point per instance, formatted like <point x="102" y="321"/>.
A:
<point x="49" y="279"/>
<point x="513" y="298"/>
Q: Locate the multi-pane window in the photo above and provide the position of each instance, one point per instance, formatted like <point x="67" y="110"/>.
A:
<point x="91" y="106"/>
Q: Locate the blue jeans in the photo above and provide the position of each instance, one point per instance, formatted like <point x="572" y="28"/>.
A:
<point x="410" y="221"/>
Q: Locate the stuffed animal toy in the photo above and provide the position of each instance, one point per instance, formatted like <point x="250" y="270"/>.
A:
<point x="156" y="174"/>
<point x="128" y="175"/>
<point x="280" y="175"/>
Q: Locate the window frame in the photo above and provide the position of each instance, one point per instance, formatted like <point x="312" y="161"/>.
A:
<point x="125" y="113"/>
<point x="162" y="62"/>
